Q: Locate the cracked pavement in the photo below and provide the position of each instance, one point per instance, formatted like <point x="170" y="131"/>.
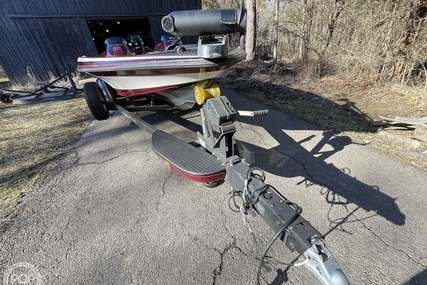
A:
<point x="112" y="213"/>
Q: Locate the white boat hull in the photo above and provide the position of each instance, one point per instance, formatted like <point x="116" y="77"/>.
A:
<point x="152" y="82"/>
<point x="149" y="73"/>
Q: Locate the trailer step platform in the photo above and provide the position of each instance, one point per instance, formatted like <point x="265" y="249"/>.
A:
<point x="186" y="159"/>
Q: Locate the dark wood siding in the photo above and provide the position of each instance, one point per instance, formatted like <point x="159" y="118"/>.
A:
<point x="44" y="37"/>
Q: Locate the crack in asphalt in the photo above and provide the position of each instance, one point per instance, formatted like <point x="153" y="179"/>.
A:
<point x="344" y="205"/>
<point x="304" y="166"/>
<point x="246" y="229"/>
<point x="107" y="160"/>
<point x="218" y="270"/>
<point x="163" y="191"/>
<point x="61" y="237"/>
<point x="261" y="140"/>
<point x="393" y="247"/>
<point x="140" y="216"/>
<point x="233" y="245"/>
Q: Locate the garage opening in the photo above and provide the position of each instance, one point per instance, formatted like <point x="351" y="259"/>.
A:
<point x="105" y="28"/>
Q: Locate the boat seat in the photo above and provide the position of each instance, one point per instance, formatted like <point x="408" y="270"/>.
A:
<point x="116" y="46"/>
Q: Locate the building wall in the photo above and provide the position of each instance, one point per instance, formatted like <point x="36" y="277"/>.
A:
<point x="43" y="37"/>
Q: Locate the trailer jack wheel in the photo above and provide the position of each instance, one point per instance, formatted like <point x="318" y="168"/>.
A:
<point x="213" y="184"/>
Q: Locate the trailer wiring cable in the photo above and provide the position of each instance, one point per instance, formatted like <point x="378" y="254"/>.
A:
<point x="249" y="199"/>
<point x="268" y="260"/>
<point x="260" y="176"/>
<point x="297" y="211"/>
<point x="248" y="226"/>
<point x="232" y="198"/>
<point x="243" y="211"/>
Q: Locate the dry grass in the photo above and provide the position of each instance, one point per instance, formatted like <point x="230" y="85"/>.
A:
<point x="3" y="77"/>
<point x="32" y="138"/>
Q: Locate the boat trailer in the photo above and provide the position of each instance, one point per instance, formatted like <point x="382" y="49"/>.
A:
<point x="214" y="157"/>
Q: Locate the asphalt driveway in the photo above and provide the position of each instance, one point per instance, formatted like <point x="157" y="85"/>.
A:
<point x="112" y="213"/>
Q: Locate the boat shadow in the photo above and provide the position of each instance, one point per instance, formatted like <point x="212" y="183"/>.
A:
<point x="291" y="160"/>
<point x="420" y="278"/>
<point x="336" y="185"/>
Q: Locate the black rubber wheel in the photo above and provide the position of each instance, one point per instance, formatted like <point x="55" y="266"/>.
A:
<point x="95" y="101"/>
<point x="5" y="98"/>
<point x="213" y="184"/>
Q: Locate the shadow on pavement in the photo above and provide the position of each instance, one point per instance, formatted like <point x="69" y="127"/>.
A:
<point x="290" y="159"/>
<point x="419" y="279"/>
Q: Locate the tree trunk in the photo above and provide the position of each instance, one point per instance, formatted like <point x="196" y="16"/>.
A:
<point x="275" y="31"/>
<point x="308" y="10"/>
<point x="414" y="23"/>
<point x="338" y="8"/>
<point x="250" y="43"/>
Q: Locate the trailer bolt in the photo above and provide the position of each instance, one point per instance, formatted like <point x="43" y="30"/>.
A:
<point x="268" y="195"/>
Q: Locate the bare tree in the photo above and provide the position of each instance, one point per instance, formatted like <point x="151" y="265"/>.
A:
<point x="251" y="12"/>
<point x="339" y="6"/>
<point x="250" y="43"/>
<point x="375" y="40"/>
<point x="276" y="30"/>
<point x="406" y="51"/>
<point x="309" y="9"/>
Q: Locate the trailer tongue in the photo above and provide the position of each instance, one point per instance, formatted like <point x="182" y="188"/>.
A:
<point x="215" y="157"/>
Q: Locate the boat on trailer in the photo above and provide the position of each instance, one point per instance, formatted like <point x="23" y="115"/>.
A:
<point x="178" y="77"/>
<point x="157" y="71"/>
<point x="181" y="77"/>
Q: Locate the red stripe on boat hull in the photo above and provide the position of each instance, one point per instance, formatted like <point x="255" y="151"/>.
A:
<point x="151" y="72"/>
